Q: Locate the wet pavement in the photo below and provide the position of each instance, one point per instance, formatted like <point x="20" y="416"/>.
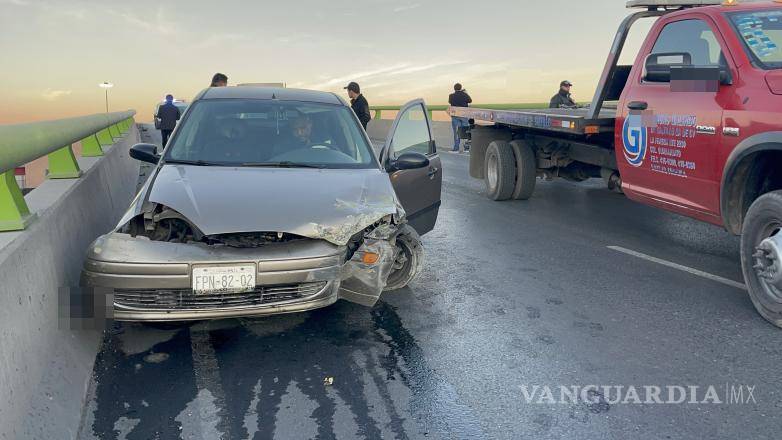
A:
<point x="514" y="295"/>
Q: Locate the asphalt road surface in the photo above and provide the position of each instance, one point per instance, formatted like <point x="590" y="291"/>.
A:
<point x="577" y="286"/>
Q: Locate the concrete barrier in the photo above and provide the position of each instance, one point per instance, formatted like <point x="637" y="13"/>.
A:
<point x="45" y="370"/>
<point x="443" y="134"/>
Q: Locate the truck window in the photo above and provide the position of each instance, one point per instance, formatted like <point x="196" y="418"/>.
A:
<point x="694" y="37"/>
<point x="761" y="32"/>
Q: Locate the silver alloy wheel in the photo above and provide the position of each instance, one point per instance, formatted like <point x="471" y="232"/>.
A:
<point x="768" y="262"/>
<point x="492" y="173"/>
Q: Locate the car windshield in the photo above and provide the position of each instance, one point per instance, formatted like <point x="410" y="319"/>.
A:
<point x="251" y="132"/>
<point x="761" y="32"/>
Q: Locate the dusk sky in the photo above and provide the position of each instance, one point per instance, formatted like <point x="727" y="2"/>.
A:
<point x="55" y="53"/>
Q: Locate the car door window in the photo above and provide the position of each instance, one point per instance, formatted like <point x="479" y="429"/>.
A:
<point x="691" y="36"/>
<point x="412" y="132"/>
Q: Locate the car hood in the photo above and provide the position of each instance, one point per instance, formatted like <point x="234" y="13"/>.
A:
<point x="329" y="204"/>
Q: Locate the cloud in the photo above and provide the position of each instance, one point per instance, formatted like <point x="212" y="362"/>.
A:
<point x="16" y="2"/>
<point x="52" y="95"/>
<point x="403" y="8"/>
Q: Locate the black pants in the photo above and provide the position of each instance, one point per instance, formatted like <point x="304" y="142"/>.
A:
<point x="165" y="134"/>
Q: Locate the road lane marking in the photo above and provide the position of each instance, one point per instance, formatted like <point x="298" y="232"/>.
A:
<point x="680" y="267"/>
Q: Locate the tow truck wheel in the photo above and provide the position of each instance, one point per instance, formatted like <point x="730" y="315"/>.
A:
<point x="761" y="255"/>
<point x="500" y="171"/>
<point x="526" y="170"/>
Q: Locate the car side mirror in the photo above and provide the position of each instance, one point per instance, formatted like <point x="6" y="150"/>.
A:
<point x="145" y="153"/>
<point x="407" y="161"/>
<point x="657" y="67"/>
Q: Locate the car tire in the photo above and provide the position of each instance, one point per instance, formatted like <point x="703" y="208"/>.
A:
<point x="500" y="171"/>
<point x="526" y="170"/>
<point x="410" y="260"/>
<point x="763" y="221"/>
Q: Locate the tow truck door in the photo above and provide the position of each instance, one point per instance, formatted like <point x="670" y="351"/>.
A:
<point x="668" y="142"/>
<point x="418" y="189"/>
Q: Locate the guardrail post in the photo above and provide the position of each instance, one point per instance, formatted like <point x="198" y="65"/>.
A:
<point x="377" y="114"/>
<point x="104" y="137"/>
<point x="90" y="147"/>
<point x="62" y="164"/>
<point x="14" y="213"/>
<point x="113" y="133"/>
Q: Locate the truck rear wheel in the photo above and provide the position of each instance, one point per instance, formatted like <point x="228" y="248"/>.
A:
<point x="761" y="255"/>
<point x="526" y="170"/>
<point x="500" y="171"/>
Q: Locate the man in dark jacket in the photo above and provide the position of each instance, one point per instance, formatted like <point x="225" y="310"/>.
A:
<point x="459" y="98"/>
<point x="359" y="104"/>
<point x="168" y="114"/>
<point x="563" y="98"/>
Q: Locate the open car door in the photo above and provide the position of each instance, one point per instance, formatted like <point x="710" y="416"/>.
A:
<point x="417" y="189"/>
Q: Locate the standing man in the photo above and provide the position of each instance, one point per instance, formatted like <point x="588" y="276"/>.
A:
<point x="219" y="80"/>
<point x="563" y="98"/>
<point x="359" y="104"/>
<point x="168" y="114"/>
<point x="459" y="98"/>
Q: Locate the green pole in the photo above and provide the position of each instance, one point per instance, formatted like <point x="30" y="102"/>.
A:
<point x="14" y="213"/>
<point x="377" y="114"/>
<point x="90" y="146"/>
<point x="62" y="164"/>
<point x="104" y="137"/>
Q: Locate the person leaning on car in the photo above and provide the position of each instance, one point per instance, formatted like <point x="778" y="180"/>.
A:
<point x="563" y="99"/>
<point x="359" y="104"/>
<point x="168" y="114"/>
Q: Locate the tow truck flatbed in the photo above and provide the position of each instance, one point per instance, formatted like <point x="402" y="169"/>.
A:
<point x="571" y="121"/>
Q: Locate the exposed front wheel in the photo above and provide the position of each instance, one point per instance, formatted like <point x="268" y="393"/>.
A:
<point x="409" y="261"/>
<point x="761" y="255"/>
<point x="500" y="171"/>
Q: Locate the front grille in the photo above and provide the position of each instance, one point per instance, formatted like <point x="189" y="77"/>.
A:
<point x="175" y="299"/>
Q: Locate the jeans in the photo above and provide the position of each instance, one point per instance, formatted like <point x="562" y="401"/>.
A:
<point x="455" y="124"/>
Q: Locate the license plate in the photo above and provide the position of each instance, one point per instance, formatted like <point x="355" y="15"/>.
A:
<point x="223" y="279"/>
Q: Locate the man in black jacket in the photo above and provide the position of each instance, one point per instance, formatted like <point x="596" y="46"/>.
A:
<point x="359" y="104"/>
<point x="459" y="98"/>
<point x="563" y="98"/>
<point x="168" y="114"/>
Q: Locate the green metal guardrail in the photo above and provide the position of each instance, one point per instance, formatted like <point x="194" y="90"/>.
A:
<point x="23" y="143"/>
<point x="378" y="109"/>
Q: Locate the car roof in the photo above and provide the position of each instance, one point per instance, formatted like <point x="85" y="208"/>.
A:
<point x="741" y="6"/>
<point x="283" y="94"/>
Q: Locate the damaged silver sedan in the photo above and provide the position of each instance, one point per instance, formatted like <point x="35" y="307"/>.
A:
<point x="270" y="201"/>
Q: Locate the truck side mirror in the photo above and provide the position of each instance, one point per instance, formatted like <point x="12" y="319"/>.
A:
<point x="657" y="67"/>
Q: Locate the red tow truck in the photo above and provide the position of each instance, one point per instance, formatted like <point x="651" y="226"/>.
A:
<point x="694" y="126"/>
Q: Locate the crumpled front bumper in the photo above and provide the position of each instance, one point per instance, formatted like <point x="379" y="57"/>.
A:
<point x="151" y="280"/>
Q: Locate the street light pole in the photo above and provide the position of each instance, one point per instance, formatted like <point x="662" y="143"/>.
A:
<point x="106" y="86"/>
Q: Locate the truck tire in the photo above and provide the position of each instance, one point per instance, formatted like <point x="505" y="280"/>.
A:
<point x="500" y="171"/>
<point x="761" y="255"/>
<point x="481" y="137"/>
<point x="526" y="170"/>
<point x="409" y="262"/>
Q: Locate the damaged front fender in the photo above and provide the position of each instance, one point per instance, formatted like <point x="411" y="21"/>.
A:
<point x="363" y="282"/>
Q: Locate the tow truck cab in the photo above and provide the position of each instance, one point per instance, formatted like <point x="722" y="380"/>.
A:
<point x="698" y="128"/>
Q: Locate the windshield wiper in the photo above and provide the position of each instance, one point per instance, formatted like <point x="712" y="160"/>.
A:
<point x="201" y="163"/>
<point x="282" y="164"/>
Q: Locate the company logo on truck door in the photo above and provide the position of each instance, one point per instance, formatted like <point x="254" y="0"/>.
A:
<point x="634" y="140"/>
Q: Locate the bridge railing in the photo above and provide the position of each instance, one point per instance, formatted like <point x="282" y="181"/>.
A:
<point x="378" y="109"/>
<point x="23" y="143"/>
